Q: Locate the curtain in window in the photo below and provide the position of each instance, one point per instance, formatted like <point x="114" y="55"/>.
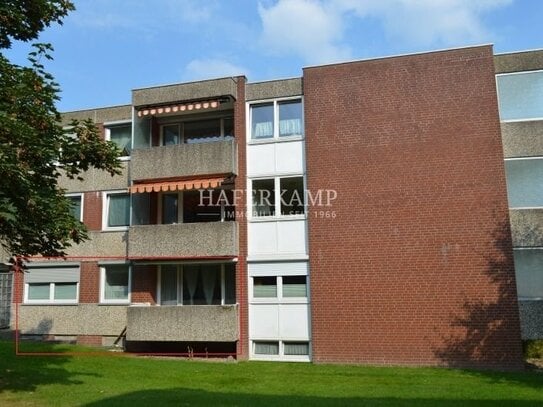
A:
<point x="300" y="348"/>
<point x="290" y="127"/>
<point x="209" y="278"/>
<point x="116" y="283"/>
<point x="38" y="291"/>
<point x="119" y="210"/>
<point x="191" y="280"/>
<point x="267" y="348"/>
<point x="263" y="130"/>
<point x="168" y="285"/>
<point x="65" y="291"/>
<point x="122" y="136"/>
<point x="75" y="208"/>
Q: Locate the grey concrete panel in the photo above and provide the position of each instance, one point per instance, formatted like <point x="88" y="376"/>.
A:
<point x="531" y="319"/>
<point x="185" y="92"/>
<point x="519" y="61"/>
<point x="183" y="240"/>
<point x="209" y="323"/>
<point x="81" y="319"/>
<point x="274" y="89"/>
<point x="100" y="115"/>
<point x="522" y="139"/>
<point x="102" y="244"/>
<point x="527" y="227"/>
<point x="184" y="160"/>
<point x="96" y="180"/>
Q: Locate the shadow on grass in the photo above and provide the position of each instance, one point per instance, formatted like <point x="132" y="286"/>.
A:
<point x="190" y="397"/>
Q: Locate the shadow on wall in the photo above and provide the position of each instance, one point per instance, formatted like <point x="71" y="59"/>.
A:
<point x="490" y="328"/>
<point x="26" y="373"/>
<point x="191" y="397"/>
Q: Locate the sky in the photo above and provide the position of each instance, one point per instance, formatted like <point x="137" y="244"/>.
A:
<point x="106" y="48"/>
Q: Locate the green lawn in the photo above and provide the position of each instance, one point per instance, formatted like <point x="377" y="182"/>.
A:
<point x="134" y="381"/>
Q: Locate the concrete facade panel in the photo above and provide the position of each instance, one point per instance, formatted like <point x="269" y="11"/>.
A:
<point x="101" y="115"/>
<point x="102" y="244"/>
<point x="274" y="89"/>
<point x="527" y="227"/>
<point x="531" y="319"/>
<point x="198" y="323"/>
<point x="522" y="139"/>
<point x="96" y="180"/>
<point x="519" y="61"/>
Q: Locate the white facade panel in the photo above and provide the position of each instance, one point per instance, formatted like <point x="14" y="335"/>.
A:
<point x="289" y="158"/>
<point x="275" y="158"/>
<point x="277" y="238"/>
<point x="281" y="268"/>
<point x="264" y="321"/>
<point x="291" y="237"/>
<point x="260" y="159"/>
<point x="294" y="321"/>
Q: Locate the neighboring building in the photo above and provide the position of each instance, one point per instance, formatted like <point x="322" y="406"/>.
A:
<point x="401" y="253"/>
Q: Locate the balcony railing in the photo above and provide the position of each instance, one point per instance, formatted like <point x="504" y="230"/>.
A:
<point x="187" y="323"/>
<point x="183" y="240"/>
<point x="184" y="160"/>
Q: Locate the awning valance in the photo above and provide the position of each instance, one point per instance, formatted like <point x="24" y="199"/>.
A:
<point x="182" y="185"/>
<point x="179" y="107"/>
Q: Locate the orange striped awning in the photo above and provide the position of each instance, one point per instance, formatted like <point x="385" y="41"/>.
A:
<point x="179" y="107"/>
<point x="185" y="185"/>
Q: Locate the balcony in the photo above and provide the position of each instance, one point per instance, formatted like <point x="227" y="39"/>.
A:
<point x="101" y="244"/>
<point x="183" y="240"/>
<point x="184" y="160"/>
<point x="188" y="323"/>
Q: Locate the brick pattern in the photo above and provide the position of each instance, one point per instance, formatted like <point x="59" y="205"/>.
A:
<point x="416" y="266"/>
<point x="92" y="210"/>
<point x="89" y="340"/>
<point x="241" y="185"/>
<point x="144" y="284"/>
<point x="89" y="283"/>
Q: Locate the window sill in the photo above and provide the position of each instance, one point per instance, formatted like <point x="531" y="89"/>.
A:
<point x="272" y="140"/>
<point x="41" y="303"/>
<point x="115" y="229"/>
<point x="283" y="218"/>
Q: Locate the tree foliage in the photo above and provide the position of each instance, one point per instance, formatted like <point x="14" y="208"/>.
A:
<point x="35" y="149"/>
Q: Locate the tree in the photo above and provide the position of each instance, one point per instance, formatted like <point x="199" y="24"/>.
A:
<point x="35" y="150"/>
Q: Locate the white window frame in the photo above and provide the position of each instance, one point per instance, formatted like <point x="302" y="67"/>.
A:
<point x="103" y="300"/>
<point x="107" y="131"/>
<point x="533" y="119"/>
<point x="51" y="299"/>
<point x="180" y="286"/>
<point x="278" y="299"/>
<point x="105" y="210"/>
<point x="275" y="138"/>
<point x="81" y="195"/>
<point x="281" y="356"/>
<point x="531" y="158"/>
<point x="277" y="197"/>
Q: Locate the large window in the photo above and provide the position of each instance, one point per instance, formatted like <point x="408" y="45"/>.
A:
<point x="520" y="95"/>
<point x="282" y="118"/>
<point x="197" y="131"/>
<point x="52" y="284"/>
<point x="115" y="284"/>
<point x="529" y="273"/>
<point x="284" y="196"/>
<point x="76" y="206"/>
<point x="197" y="284"/>
<point x="279" y="287"/>
<point x="281" y="348"/>
<point x="117" y="210"/>
<point x="524" y="182"/>
<point x="121" y="135"/>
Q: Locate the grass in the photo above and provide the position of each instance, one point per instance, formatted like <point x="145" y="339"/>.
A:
<point x="133" y="381"/>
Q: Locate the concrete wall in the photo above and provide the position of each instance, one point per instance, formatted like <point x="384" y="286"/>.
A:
<point x="183" y="240"/>
<point x="82" y="319"/>
<point x="531" y="318"/>
<point x="185" y="92"/>
<point x="184" y="160"/>
<point x="527" y="227"/>
<point x="274" y="89"/>
<point x="101" y="244"/>
<point x="198" y="323"/>
<point x="420" y="237"/>
<point x="519" y="61"/>
<point x="522" y="139"/>
<point x="100" y="115"/>
<point x="96" y="180"/>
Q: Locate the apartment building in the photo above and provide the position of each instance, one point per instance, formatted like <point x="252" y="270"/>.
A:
<point x="393" y="245"/>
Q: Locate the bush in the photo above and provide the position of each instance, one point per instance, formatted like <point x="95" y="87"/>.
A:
<point x="533" y="349"/>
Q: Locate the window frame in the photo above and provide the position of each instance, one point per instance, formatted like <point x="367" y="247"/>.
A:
<point x="120" y="123"/>
<point x="81" y="196"/>
<point x="105" y="210"/>
<point x="276" y="137"/>
<point x="277" y="196"/>
<point x="498" y="95"/>
<point x="102" y="290"/>
<point x="181" y="126"/>
<point x="51" y="300"/>
<point x="281" y="354"/>
<point x="279" y="298"/>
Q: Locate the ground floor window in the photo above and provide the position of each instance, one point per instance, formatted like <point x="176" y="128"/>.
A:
<point x="197" y="284"/>
<point x="280" y="348"/>
<point x="115" y="284"/>
<point x="51" y="283"/>
<point x="52" y="292"/>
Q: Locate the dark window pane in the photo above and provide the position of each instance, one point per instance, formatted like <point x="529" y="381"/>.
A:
<point x="116" y="283"/>
<point x="202" y="131"/>
<point x="170" y="134"/>
<point x="265" y="287"/>
<point x="292" y="196"/>
<point x="198" y="208"/>
<point x="202" y="284"/>
<point x="122" y="136"/>
<point x="294" y="286"/>
<point x="290" y="118"/>
<point x="119" y="210"/>
<point x="75" y="208"/>
<point x="229" y="283"/>
<point x="263" y="197"/>
<point x="228" y="127"/>
<point x="169" y="208"/>
<point x="168" y="285"/>
<point x="262" y="121"/>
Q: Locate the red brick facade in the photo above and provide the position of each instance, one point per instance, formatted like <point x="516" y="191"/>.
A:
<point x="89" y="283"/>
<point x="92" y="210"/>
<point x="416" y="267"/>
<point x="144" y="284"/>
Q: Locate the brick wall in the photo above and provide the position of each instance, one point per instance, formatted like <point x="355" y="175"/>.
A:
<point x="92" y="210"/>
<point x="241" y="185"/>
<point x="416" y="267"/>
<point x="89" y="283"/>
<point x="144" y="284"/>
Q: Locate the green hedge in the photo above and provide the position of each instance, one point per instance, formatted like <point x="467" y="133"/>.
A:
<point x="533" y="349"/>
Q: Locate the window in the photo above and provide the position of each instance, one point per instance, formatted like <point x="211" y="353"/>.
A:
<point x="121" y="135"/>
<point x="266" y="348"/>
<point x="115" y="284"/>
<point x="76" y="206"/>
<point x="520" y="95"/>
<point x="276" y="119"/>
<point x="294" y="286"/>
<point x="198" y="131"/>
<point x="288" y="286"/>
<point x="281" y="348"/>
<point x="117" y="210"/>
<point x="264" y="287"/>
<point x="197" y="284"/>
<point x="278" y="195"/>
<point x="52" y="284"/>
<point x="529" y="273"/>
<point x="170" y="208"/>
<point x="296" y="348"/>
<point x="524" y="182"/>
